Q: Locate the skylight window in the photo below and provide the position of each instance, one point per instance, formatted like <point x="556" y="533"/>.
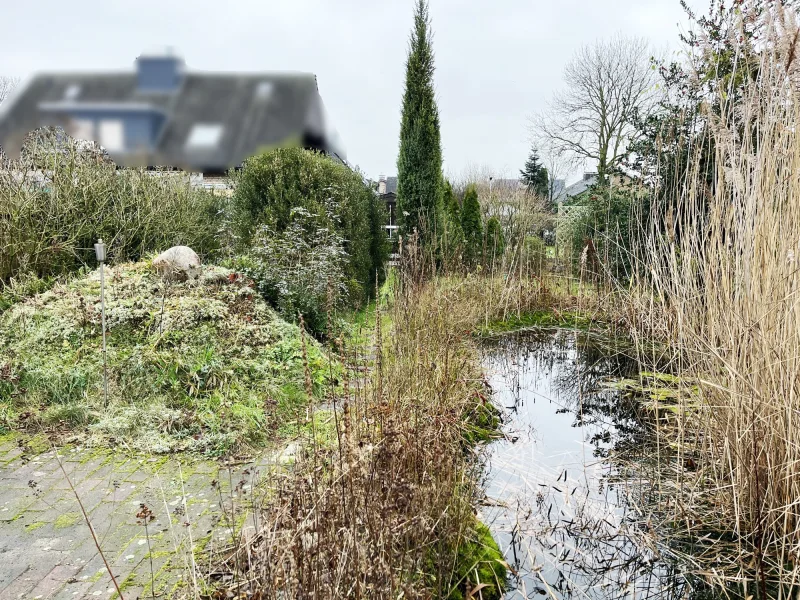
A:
<point x="72" y="91"/>
<point x="204" y="136"/>
<point x="264" y="90"/>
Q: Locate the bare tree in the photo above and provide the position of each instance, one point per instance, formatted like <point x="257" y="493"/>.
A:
<point x="556" y="167"/>
<point x="591" y="119"/>
<point x="6" y="85"/>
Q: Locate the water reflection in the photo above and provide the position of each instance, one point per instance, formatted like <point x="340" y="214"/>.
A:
<point x="561" y="491"/>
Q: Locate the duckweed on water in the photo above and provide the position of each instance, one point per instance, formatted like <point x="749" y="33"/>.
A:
<point x="204" y="365"/>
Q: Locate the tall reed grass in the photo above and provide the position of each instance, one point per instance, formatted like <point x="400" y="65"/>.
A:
<point x="384" y="509"/>
<point x="724" y="293"/>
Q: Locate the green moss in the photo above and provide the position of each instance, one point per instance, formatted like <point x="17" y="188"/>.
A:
<point x="124" y="585"/>
<point x="66" y="520"/>
<point x="38" y="443"/>
<point x="479" y="561"/>
<point x="542" y="318"/>
<point x="7" y="435"/>
<point x="482" y="424"/>
<point x="34" y="526"/>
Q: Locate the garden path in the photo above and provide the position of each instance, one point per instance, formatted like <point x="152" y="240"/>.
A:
<point x="46" y="547"/>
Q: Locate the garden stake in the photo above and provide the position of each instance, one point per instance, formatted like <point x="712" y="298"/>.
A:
<point x="100" y="252"/>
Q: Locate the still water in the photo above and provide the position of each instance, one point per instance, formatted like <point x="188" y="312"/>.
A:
<point x="566" y="489"/>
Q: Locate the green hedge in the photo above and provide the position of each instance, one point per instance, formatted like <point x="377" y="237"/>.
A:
<point x="52" y="213"/>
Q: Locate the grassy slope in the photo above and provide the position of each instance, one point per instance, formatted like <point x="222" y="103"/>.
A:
<point x="219" y="372"/>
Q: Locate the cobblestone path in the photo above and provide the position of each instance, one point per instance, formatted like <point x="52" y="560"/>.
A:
<point x="46" y="548"/>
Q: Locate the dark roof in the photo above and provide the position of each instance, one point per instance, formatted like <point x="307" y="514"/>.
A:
<point x="292" y="112"/>
<point x="558" y="188"/>
<point x="580" y="186"/>
<point x="391" y="185"/>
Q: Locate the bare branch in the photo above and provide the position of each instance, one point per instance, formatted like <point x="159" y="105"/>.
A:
<point x="607" y="83"/>
<point x="6" y="85"/>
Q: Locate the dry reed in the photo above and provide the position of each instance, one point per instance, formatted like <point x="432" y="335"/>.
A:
<point x="724" y="293"/>
<point x="382" y="509"/>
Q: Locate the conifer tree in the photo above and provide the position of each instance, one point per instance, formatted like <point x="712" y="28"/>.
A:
<point x="451" y="205"/>
<point x="495" y="241"/>
<point x="471" y="226"/>
<point x="419" y="164"/>
<point x="453" y="239"/>
<point x="534" y="176"/>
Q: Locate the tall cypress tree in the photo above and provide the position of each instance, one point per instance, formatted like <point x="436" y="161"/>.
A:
<point x="419" y="164"/>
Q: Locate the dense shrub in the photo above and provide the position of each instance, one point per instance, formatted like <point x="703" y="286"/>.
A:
<point x="300" y="270"/>
<point x="275" y="189"/>
<point x="605" y="230"/>
<point x="495" y="241"/>
<point x="53" y="209"/>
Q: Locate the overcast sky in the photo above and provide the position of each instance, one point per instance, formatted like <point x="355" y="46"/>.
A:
<point x="497" y="62"/>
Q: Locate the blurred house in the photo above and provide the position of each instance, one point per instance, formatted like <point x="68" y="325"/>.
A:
<point x="162" y="115"/>
<point x="590" y="179"/>
<point x="557" y="188"/>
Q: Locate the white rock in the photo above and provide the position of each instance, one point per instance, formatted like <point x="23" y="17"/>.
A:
<point x="178" y="263"/>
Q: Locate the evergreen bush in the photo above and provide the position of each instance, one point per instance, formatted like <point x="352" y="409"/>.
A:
<point x="291" y="202"/>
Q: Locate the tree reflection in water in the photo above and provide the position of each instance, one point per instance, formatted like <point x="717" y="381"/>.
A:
<point x="564" y="490"/>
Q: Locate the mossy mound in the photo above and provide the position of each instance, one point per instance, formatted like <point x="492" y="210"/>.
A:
<point x="479" y="563"/>
<point x="204" y="365"/>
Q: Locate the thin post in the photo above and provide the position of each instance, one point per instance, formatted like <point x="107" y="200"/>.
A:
<point x="100" y="252"/>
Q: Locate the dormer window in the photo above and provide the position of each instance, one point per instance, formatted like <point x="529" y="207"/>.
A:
<point x="112" y="135"/>
<point x="204" y="136"/>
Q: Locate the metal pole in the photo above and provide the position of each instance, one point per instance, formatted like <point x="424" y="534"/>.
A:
<point x="103" y="311"/>
<point x="100" y="252"/>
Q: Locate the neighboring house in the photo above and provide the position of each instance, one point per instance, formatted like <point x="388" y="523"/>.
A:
<point x="588" y="180"/>
<point x="160" y="114"/>
<point x="387" y="190"/>
<point x="556" y="189"/>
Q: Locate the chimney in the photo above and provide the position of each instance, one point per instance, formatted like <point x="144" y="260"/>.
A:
<point x="159" y="72"/>
<point x="382" y="184"/>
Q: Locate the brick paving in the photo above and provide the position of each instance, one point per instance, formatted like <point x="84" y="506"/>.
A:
<point x="46" y="548"/>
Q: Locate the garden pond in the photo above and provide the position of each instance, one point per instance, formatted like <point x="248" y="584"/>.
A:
<point x="569" y="494"/>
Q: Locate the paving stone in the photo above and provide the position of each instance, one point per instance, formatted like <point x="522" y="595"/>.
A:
<point x="52" y="582"/>
<point x="74" y="591"/>
<point x="46" y="547"/>
<point x="21" y="586"/>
